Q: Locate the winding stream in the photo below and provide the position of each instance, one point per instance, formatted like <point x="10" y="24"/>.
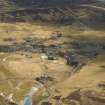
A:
<point x="28" y="97"/>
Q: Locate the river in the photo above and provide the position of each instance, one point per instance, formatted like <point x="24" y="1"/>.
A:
<point x="28" y="97"/>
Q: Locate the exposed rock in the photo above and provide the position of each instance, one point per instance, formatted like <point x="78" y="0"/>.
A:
<point x="46" y="94"/>
<point x="44" y="56"/>
<point x="73" y="96"/>
<point x="85" y="98"/>
<point x="102" y="85"/>
<point x="44" y="78"/>
<point x="57" y="97"/>
<point x="72" y="60"/>
<point x="90" y="49"/>
<point x="46" y="103"/>
<point x="7" y="100"/>
<point x="32" y="45"/>
<point x="57" y="34"/>
<point x="93" y="98"/>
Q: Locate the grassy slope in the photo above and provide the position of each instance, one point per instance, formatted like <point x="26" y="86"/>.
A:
<point x="20" y="30"/>
<point x="88" y="78"/>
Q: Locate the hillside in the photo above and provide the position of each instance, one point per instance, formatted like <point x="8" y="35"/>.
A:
<point x="52" y="52"/>
<point x="22" y="60"/>
<point x="52" y="11"/>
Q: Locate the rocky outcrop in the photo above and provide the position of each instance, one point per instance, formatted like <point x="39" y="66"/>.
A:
<point x="6" y="101"/>
<point x="85" y="98"/>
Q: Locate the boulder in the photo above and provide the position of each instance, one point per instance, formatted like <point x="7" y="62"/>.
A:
<point x="46" y="103"/>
